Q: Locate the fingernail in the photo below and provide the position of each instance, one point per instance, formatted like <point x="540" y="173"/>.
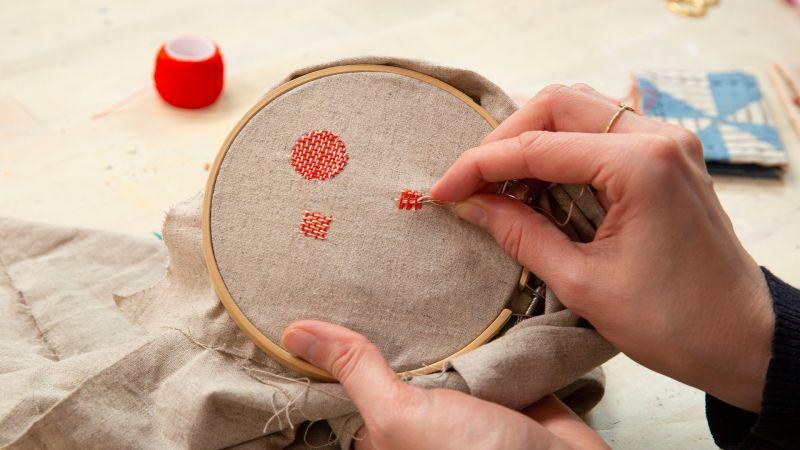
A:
<point x="300" y="343"/>
<point x="471" y="212"/>
<point x="434" y="188"/>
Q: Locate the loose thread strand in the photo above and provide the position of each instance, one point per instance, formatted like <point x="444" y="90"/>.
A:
<point x="572" y="204"/>
<point x="121" y="103"/>
<point x="416" y="203"/>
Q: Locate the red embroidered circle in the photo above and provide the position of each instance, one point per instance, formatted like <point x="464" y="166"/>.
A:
<point x="319" y="155"/>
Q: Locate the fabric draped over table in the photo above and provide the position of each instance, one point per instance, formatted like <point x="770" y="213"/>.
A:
<point x="100" y="346"/>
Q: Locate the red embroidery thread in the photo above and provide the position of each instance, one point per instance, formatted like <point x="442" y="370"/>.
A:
<point x="319" y="155"/>
<point x="409" y="200"/>
<point x="315" y="225"/>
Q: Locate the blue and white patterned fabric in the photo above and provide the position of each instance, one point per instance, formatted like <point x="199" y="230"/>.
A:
<point x="725" y="109"/>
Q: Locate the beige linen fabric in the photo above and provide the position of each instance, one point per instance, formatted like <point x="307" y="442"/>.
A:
<point x="379" y="264"/>
<point x="160" y="364"/>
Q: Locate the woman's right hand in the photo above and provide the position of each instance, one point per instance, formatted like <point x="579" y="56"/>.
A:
<point x="665" y="280"/>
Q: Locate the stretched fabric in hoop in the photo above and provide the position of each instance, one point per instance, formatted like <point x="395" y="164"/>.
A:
<point x="393" y="123"/>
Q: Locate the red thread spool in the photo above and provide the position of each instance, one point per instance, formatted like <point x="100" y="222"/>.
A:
<point x="189" y="72"/>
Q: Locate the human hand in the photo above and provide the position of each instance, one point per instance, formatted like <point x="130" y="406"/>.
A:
<point x="665" y="280"/>
<point x="400" y="416"/>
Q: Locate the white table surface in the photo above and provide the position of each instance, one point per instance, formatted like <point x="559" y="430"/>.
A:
<point x="61" y="62"/>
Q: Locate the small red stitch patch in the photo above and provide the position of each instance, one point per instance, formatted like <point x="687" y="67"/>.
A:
<point x="315" y="225"/>
<point x="409" y="200"/>
<point x="319" y="155"/>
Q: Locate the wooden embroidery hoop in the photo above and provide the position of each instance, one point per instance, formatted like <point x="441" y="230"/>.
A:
<point x="268" y="346"/>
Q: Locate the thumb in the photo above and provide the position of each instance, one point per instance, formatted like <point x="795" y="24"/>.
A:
<point x="349" y="357"/>
<point x="528" y="237"/>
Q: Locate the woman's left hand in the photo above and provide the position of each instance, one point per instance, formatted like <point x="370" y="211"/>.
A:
<point x="400" y="416"/>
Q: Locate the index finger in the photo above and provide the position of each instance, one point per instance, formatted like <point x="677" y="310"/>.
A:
<point x="558" y="157"/>
<point x="577" y="108"/>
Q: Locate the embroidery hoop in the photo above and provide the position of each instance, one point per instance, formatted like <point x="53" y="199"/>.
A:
<point x="271" y="348"/>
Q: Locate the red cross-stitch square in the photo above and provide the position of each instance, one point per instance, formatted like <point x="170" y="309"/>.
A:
<point x="315" y="225"/>
<point x="409" y="200"/>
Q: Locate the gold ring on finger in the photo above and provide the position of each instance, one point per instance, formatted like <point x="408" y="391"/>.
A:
<point x="622" y="108"/>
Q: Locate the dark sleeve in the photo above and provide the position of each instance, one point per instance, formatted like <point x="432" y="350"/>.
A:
<point x="778" y="425"/>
